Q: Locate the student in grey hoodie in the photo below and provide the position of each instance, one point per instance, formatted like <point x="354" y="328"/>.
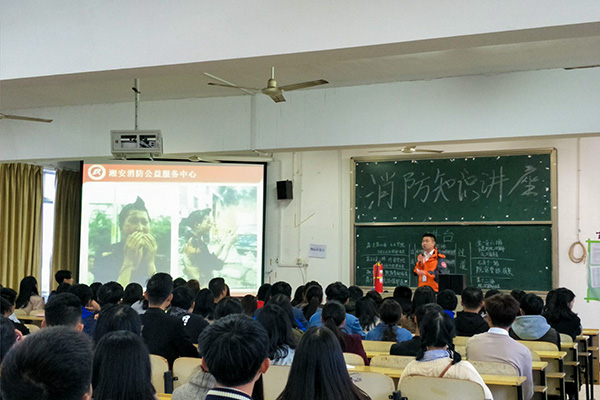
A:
<point x="531" y="325"/>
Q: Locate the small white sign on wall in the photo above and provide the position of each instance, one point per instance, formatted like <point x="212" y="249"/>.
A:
<point x="317" y="250"/>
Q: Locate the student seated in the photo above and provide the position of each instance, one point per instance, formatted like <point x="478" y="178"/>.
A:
<point x="235" y="351"/>
<point x="29" y="299"/>
<point x="182" y="306"/>
<point x="228" y="306"/>
<point x="388" y="329"/>
<point x="63" y="309"/>
<point x="62" y="276"/>
<point x="403" y="295"/>
<point x="313" y="297"/>
<point x="205" y="305"/>
<point x="283" y="301"/>
<point x="117" y="318"/>
<point x="54" y="363"/>
<point x="411" y="347"/>
<point x="89" y="307"/>
<point x="559" y="312"/>
<point x="423" y="295"/>
<point x="337" y="291"/>
<point x="284" y="288"/>
<point x="7" y="309"/>
<point x="530" y="325"/>
<point x="497" y="346"/>
<point x="468" y="321"/>
<point x="367" y="313"/>
<point x="163" y="334"/>
<point x="448" y="301"/>
<point x="109" y="293"/>
<point x="282" y="343"/>
<point x="333" y="317"/>
<point x="8" y="336"/>
<point x="122" y="368"/>
<point x="437" y="357"/>
<point x="319" y="370"/>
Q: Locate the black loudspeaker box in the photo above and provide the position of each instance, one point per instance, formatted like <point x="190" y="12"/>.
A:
<point x="454" y="282"/>
<point x="284" y="190"/>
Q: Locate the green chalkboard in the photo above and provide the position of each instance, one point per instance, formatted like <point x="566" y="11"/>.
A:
<point x="498" y="189"/>
<point x="492" y="256"/>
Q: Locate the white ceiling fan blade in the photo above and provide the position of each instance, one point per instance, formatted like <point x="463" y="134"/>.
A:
<point x="303" y="85"/>
<point x="277" y="96"/>
<point x="229" y="84"/>
<point x="7" y="116"/>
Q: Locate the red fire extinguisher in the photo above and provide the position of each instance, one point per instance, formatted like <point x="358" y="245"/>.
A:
<point x="378" y="277"/>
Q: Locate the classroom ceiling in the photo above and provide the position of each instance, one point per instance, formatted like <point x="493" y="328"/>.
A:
<point x="558" y="47"/>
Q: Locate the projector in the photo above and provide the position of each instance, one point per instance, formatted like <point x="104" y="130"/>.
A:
<point x="125" y="144"/>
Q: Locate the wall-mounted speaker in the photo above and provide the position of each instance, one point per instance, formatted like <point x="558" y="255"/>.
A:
<point x="284" y="190"/>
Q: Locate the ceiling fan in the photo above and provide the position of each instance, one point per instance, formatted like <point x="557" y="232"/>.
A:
<point x="272" y="90"/>
<point x="7" y="116"/>
<point x="408" y="150"/>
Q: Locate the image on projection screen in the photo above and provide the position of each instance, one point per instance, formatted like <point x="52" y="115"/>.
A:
<point x="191" y="221"/>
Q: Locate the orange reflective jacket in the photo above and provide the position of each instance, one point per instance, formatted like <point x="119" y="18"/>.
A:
<point x="434" y="266"/>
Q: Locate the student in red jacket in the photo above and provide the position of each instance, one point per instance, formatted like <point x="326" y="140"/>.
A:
<point x="430" y="263"/>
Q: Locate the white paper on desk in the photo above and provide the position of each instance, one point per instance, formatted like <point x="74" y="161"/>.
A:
<point x="317" y="250"/>
<point x="595" y="277"/>
<point x="595" y="254"/>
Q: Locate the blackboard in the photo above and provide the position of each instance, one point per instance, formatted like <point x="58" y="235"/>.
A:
<point x="498" y="188"/>
<point x="492" y="256"/>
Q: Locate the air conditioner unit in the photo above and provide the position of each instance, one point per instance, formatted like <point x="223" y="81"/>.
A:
<point x="125" y="144"/>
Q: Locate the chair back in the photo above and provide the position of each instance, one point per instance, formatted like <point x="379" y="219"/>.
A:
<point x="274" y="381"/>
<point x="534" y="356"/>
<point x="494" y="368"/>
<point x="391" y="361"/>
<point x="567" y="339"/>
<point x="377" y="386"/>
<point x="462" y="350"/>
<point x="376" y="345"/>
<point x="538" y="345"/>
<point x="159" y="367"/>
<point x="183" y="368"/>
<point x="32" y="328"/>
<point x="19" y="312"/>
<point x="427" y="387"/>
<point x="460" y="340"/>
<point x="353" y="359"/>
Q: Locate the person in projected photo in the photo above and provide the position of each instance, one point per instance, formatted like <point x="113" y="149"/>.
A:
<point x="133" y="258"/>
<point x="197" y="260"/>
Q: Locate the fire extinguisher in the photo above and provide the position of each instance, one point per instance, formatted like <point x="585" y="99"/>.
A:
<point x="378" y="277"/>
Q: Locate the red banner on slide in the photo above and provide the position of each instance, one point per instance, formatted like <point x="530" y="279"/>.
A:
<point x="157" y="173"/>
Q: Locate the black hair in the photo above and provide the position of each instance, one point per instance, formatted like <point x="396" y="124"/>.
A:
<point x="54" y="363"/>
<point x="333" y="315"/>
<point x="61" y="275"/>
<point x="437" y="330"/>
<point x="281" y="287"/>
<point x="110" y="293"/>
<point x="366" y="312"/>
<point x="8" y="294"/>
<point x="283" y="301"/>
<point x="63" y="309"/>
<point x="314" y="298"/>
<point x="431" y="235"/>
<point x="390" y="312"/>
<point x="159" y="287"/>
<point x="355" y="292"/>
<point x="423" y="295"/>
<point x="518" y="294"/>
<point x="205" y="304"/>
<point x="491" y="292"/>
<point x="249" y="304"/>
<point x="183" y="297"/>
<point x="8" y="336"/>
<point x="319" y="370"/>
<point x="122" y="368"/>
<point x="264" y="292"/>
<point x="83" y="292"/>
<point x="403" y="292"/>
<point x="194" y="285"/>
<point x="119" y="317"/>
<point x="557" y="306"/>
<point x="95" y="286"/>
<point x="279" y="329"/>
<point x="298" y="296"/>
<point x="425" y="308"/>
<point x="337" y="291"/>
<point x="216" y="286"/>
<point x="447" y="299"/>
<point x="227" y="306"/>
<point x="5" y="306"/>
<point x="138" y="205"/>
<point x="234" y="349"/>
<point x="27" y="288"/>
<point x="132" y="293"/>
<point x="502" y="309"/>
<point x="375" y="296"/>
<point x="472" y="297"/>
<point x="63" y="288"/>
<point x="179" y="282"/>
<point x="532" y="304"/>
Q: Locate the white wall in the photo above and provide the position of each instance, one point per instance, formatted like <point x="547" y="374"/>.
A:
<point x="53" y="37"/>
<point x="322" y="182"/>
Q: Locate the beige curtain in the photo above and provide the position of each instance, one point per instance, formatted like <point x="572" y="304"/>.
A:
<point x="21" y="198"/>
<point x="67" y="221"/>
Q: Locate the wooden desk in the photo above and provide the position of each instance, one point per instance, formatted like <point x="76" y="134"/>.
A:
<point x="32" y="319"/>
<point x="163" y="396"/>
<point x="373" y="353"/>
<point x="593" y="344"/>
<point x="555" y="369"/>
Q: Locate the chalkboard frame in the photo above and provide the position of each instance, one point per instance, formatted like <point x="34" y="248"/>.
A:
<point x="420" y="157"/>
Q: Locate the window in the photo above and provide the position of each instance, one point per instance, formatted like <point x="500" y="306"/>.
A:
<point x="47" y="230"/>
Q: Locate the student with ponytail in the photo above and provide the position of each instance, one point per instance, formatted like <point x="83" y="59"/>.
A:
<point x="437" y="356"/>
<point x="333" y="317"/>
<point x="388" y="329"/>
<point x="314" y="298"/>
